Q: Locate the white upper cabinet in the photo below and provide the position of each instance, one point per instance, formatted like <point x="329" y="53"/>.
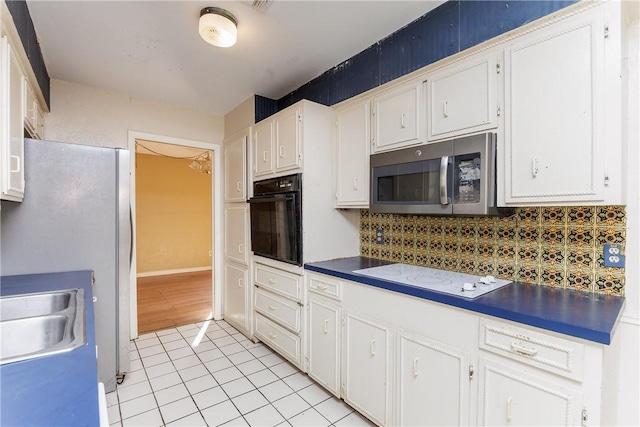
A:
<point x="398" y="117"/>
<point x="561" y="80"/>
<point x="11" y="118"/>
<point x="462" y="97"/>
<point x="278" y="143"/>
<point x="235" y="169"/>
<point x="353" y="138"/>
<point x="287" y="128"/>
<point x="263" y="148"/>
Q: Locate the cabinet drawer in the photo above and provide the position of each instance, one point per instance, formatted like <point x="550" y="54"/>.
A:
<point x="546" y="352"/>
<point x="279" y="281"/>
<point x="284" y="342"/>
<point x="325" y="286"/>
<point x="281" y="310"/>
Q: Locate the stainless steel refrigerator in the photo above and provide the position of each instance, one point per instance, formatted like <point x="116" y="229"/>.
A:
<point x="76" y="216"/>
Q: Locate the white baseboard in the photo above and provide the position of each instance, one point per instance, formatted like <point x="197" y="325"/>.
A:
<point x="176" y="271"/>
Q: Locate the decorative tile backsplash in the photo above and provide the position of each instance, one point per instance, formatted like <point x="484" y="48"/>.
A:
<point x="552" y="246"/>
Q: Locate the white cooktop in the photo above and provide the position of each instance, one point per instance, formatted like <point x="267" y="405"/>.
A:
<point x="449" y="282"/>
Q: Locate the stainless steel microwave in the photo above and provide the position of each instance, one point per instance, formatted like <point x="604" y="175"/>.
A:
<point x="454" y="177"/>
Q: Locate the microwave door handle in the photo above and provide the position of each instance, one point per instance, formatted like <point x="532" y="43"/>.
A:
<point x="444" y="165"/>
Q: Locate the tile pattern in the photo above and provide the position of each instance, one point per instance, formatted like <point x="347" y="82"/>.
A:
<point x="553" y="246"/>
<point x="208" y="374"/>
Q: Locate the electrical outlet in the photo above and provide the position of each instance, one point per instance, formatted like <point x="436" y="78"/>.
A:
<point x="614" y="255"/>
<point x="379" y="236"/>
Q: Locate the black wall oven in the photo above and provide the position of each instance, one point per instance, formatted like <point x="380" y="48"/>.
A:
<point x="276" y="219"/>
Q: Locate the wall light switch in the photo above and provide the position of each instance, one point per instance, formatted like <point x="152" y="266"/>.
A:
<point x="614" y="255"/>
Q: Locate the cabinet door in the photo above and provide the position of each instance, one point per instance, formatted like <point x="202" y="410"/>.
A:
<point x="287" y="128"/>
<point x="353" y="156"/>
<point x="511" y="398"/>
<point x="263" y="148"/>
<point x="463" y="98"/>
<point x="12" y="132"/>
<point x="553" y="100"/>
<point x="433" y="383"/>
<point x="366" y="371"/>
<point x="236" y="287"/>
<point x="398" y="117"/>
<point x="324" y="348"/>
<point x="235" y="171"/>
<point x="236" y="231"/>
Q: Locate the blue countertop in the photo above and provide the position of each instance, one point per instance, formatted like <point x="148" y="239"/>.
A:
<point x="589" y="316"/>
<point x="56" y="390"/>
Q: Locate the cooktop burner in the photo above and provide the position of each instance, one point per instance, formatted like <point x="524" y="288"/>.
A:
<point x="450" y="282"/>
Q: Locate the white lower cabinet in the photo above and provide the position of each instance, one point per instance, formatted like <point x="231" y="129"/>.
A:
<point x="367" y="367"/>
<point x="433" y="384"/>
<point x="405" y="361"/>
<point x="278" y="312"/>
<point x="236" y="295"/>
<point x="511" y="397"/>
<point x="324" y="343"/>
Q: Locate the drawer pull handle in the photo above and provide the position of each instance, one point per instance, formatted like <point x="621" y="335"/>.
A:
<point x="446" y="112"/>
<point x="326" y="326"/>
<point x="272" y="335"/>
<point x="322" y="287"/>
<point x="272" y="308"/>
<point x="509" y="409"/>
<point x="523" y="350"/>
<point x="402" y="123"/>
<point x="415" y="367"/>
<point x="273" y="281"/>
<point x="372" y="347"/>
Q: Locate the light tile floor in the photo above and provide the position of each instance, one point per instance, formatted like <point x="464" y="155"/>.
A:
<point x="209" y="374"/>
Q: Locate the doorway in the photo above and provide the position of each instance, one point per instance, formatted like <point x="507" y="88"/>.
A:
<point x="174" y="290"/>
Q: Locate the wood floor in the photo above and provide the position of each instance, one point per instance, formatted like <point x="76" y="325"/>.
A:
<point x="173" y="300"/>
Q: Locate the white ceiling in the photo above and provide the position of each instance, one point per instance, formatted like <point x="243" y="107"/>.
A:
<point x="152" y="49"/>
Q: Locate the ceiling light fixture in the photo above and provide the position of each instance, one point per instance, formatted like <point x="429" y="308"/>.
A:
<point x="218" y="27"/>
<point x="202" y="163"/>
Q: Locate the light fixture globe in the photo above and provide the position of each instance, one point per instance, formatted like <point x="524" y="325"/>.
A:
<point x="218" y="27"/>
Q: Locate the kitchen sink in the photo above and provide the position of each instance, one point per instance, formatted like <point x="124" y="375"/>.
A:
<point x="29" y="305"/>
<point x="41" y="324"/>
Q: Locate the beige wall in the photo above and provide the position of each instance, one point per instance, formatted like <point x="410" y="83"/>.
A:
<point x="240" y="117"/>
<point x="173" y="215"/>
<point x="85" y="115"/>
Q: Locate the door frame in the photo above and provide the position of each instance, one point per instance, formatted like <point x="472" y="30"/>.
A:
<point x="216" y="219"/>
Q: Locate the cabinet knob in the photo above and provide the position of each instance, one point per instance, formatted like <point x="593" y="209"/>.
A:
<point x="273" y="281"/>
<point x="402" y="122"/>
<point x="326" y="326"/>
<point x="272" y="308"/>
<point x="355" y="183"/>
<point x="281" y="150"/>
<point x="264" y="156"/>
<point x="272" y="335"/>
<point x="534" y="166"/>
<point x="445" y="108"/>
<point x="372" y="347"/>
<point x="415" y="367"/>
<point x="18" y="164"/>
<point x="239" y="186"/>
<point x="322" y="287"/>
<point x="240" y="285"/>
<point x="509" y="409"/>
<point x="240" y="248"/>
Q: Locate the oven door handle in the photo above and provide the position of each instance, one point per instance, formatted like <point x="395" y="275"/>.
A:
<point x="444" y="164"/>
<point x="276" y="198"/>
